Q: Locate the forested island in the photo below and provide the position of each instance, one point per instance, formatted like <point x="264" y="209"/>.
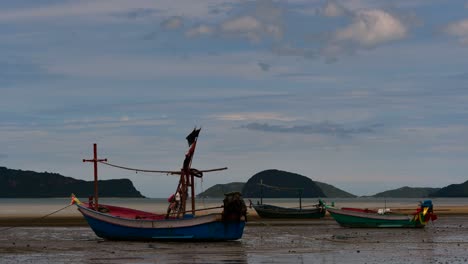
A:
<point x="30" y="184"/>
<point x="268" y="183"/>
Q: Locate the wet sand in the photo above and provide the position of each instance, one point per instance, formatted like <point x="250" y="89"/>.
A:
<point x="264" y="241"/>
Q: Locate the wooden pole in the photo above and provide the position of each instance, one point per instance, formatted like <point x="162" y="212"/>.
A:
<point x="300" y="199"/>
<point x="95" y="160"/>
<point x="192" y="179"/>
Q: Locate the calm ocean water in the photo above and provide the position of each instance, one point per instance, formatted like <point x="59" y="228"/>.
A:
<point x="43" y="206"/>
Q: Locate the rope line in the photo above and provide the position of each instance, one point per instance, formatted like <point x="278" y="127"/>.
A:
<point x="156" y="171"/>
<point x="37" y="219"/>
<point x="140" y="170"/>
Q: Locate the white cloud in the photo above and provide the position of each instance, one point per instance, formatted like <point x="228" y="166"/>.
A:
<point x="372" y="27"/>
<point x="172" y="23"/>
<point x="241" y="24"/>
<point x="333" y="9"/>
<point x="199" y="30"/>
<point x="251" y="28"/>
<point x="458" y="29"/>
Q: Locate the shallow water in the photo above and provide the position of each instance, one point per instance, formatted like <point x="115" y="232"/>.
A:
<point x="43" y="206"/>
<point x="314" y="241"/>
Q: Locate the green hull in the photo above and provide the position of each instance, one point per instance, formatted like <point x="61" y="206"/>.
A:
<point x="270" y="211"/>
<point x="358" y="219"/>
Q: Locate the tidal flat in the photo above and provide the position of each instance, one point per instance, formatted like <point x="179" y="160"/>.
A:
<point x="279" y="241"/>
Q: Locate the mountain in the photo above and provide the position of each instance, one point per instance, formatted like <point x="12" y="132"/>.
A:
<point x="30" y="184"/>
<point x="453" y="190"/>
<point x="219" y="190"/>
<point x="407" y="192"/>
<point x="281" y="184"/>
<point x="332" y="191"/>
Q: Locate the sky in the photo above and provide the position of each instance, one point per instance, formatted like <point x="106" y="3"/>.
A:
<point x="365" y="95"/>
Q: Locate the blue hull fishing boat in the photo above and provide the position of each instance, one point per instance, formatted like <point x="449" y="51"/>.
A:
<point x="206" y="227"/>
<point x="120" y="223"/>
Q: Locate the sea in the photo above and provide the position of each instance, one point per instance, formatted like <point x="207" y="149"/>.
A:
<point x="311" y="241"/>
<point x="26" y="207"/>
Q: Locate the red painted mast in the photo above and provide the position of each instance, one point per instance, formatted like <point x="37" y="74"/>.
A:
<point x="95" y="160"/>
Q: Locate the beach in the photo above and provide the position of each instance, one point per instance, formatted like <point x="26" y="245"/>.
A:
<point x="65" y="238"/>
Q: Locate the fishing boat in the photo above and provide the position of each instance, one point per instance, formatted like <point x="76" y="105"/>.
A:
<point x="119" y="223"/>
<point x="356" y="217"/>
<point x="302" y="212"/>
<point x="272" y="211"/>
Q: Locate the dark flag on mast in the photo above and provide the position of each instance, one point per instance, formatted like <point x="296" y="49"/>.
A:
<point x="193" y="136"/>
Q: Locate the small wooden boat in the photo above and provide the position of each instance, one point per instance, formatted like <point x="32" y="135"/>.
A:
<point x="355" y="217"/>
<point x="271" y="211"/>
<point x="119" y="223"/>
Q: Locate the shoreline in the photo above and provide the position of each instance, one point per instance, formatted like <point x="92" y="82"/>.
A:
<point x="74" y="220"/>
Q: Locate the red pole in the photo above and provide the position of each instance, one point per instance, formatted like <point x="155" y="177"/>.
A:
<point x="95" y="160"/>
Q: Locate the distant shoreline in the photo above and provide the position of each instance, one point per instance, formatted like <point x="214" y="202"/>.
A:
<point x="252" y="217"/>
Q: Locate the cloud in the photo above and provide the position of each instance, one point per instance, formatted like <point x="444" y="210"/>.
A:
<point x="325" y="128"/>
<point x="263" y="66"/>
<point x="199" y="30"/>
<point x="254" y="116"/>
<point x="17" y="70"/>
<point x="246" y="26"/>
<point x="261" y="21"/>
<point x="458" y="29"/>
<point x="102" y="9"/>
<point x="139" y="13"/>
<point x="172" y="23"/>
<point x="333" y="9"/>
<point x="3" y="156"/>
<point x="288" y="50"/>
<point x="371" y="28"/>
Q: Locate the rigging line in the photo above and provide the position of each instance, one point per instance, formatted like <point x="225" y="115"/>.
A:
<point x="202" y="191"/>
<point x="39" y="218"/>
<point x="157" y="171"/>
<point x="139" y="170"/>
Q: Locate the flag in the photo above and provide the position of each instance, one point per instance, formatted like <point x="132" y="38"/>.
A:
<point x="74" y="200"/>
<point x="193" y="136"/>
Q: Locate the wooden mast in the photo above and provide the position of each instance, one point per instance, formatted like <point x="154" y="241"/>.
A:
<point x="95" y="160"/>
<point x="187" y="178"/>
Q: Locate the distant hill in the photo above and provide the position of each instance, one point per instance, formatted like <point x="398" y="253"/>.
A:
<point x="283" y="181"/>
<point x="30" y="184"/>
<point x="453" y="190"/>
<point x="332" y="191"/>
<point x="219" y="190"/>
<point x="407" y="192"/>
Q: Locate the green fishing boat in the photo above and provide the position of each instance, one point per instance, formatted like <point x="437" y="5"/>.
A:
<point x="356" y="217"/>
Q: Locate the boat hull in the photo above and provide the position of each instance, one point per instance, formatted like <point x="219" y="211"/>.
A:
<point x="270" y="211"/>
<point x="358" y="219"/>
<point x="208" y="227"/>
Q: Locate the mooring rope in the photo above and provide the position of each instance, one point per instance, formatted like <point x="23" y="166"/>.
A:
<point x="38" y="219"/>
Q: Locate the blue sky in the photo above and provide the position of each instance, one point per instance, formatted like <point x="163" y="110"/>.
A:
<point x="365" y="95"/>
